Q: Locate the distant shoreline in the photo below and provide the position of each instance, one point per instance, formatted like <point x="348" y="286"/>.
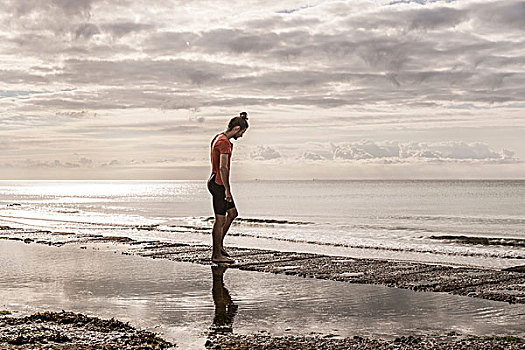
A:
<point x="272" y="180"/>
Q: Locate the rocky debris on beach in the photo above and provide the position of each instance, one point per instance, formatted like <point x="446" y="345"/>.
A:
<point x="506" y="285"/>
<point x="267" y="342"/>
<point x="70" y="331"/>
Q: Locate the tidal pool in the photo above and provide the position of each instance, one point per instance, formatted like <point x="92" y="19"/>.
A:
<point x="184" y="302"/>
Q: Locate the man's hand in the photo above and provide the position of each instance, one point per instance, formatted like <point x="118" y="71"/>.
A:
<point x="228" y="196"/>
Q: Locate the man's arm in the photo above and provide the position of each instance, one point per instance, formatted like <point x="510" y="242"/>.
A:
<point x="225" y="176"/>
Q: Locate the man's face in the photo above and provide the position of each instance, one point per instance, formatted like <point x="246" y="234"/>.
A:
<point x="239" y="134"/>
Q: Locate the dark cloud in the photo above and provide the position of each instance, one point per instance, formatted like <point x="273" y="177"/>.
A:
<point x="400" y="55"/>
<point x="121" y="29"/>
<point x="167" y="42"/>
<point x="238" y="41"/>
<point x="358" y="69"/>
<point x="146" y="71"/>
<point x="436" y="18"/>
<point x="86" y="30"/>
<point x="506" y="14"/>
<point x="16" y="76"/>
<point x="21" y="8"/>
<point x="54" y="17"/>
<point x="281" y="22"/>
<point x="138" y="130"/>
<point x="418" y="19"/>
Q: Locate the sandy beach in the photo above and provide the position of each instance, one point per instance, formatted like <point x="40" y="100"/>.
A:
<point x="225" y="328"/>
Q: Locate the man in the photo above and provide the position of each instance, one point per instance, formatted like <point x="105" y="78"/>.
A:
<point x="219" y="185"/>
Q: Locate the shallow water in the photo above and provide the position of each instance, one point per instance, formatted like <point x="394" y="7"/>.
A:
<point x="384" y="219"/>
<point x="183" y="301"/>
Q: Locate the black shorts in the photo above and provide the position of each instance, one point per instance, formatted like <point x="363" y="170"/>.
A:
<point x="220" y="204"/>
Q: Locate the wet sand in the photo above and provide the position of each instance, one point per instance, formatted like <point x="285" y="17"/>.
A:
<point x="70" y="331"/>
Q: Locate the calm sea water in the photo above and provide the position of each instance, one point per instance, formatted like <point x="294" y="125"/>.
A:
<point x="392" y="219"/>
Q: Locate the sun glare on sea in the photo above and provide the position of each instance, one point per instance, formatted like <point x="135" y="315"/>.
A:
<point x="104" y="189"/>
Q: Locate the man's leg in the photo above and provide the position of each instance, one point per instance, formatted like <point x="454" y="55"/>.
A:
<point x="231" y="214"/>
<point x="217" y="237"/>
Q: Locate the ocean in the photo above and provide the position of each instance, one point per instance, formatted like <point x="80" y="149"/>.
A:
<point x="475" y="223"/>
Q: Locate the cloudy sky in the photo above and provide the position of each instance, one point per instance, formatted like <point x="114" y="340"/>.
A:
<point x="136" y="89"/>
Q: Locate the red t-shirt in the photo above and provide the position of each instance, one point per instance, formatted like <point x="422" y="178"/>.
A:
<point x="220" y="145"/>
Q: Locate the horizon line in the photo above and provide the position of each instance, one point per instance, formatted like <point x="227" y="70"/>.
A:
<point x="258" y="179"/>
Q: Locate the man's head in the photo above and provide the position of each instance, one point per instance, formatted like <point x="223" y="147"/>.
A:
<point x="238" y="125"/>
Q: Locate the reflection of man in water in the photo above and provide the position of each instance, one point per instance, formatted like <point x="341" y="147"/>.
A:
<point x="225" y="309"/>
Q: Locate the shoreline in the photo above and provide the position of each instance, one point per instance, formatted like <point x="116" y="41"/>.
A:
<point x="252" y="260"/>
<point x="507" y="285"/>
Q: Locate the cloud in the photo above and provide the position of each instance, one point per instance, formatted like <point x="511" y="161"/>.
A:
<point x="381" y="70"/>
<point x="85" y="162"/>
<point x="312" y="156"/>
<point x="48" y="164"/>
<point x="237" y="41"/>
<point x="264" y="153"/>
<point x="86" y="30"/>
<point x="392" y="151"/>
<point x="421" y="2"/>
<point x="506" y="14"/>
<point x="114" y="162"/>
<point x="59" y="17"/>
<point x="121" y="29"/>
<point x="450" y="53"/>
<point x="82" y="163"/>
<point x="75" y="114"/>
<point x="365" y="150"/>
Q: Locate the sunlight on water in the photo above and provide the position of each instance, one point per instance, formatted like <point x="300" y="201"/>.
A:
<point x="391" y="218"/>
<point x="115" y="189"/>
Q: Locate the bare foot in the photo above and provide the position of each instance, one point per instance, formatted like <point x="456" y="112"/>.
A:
<point x="222" y="260"/>
<point x="224" y="252"/>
